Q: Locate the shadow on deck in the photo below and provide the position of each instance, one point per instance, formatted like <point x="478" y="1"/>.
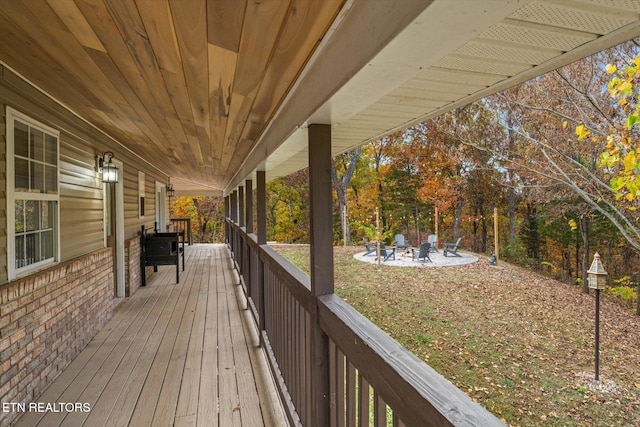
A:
<point x="181" y="355"/>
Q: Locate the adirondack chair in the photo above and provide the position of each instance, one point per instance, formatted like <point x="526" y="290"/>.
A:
<point x="400" y="242"/>
<point x="386" y="253"/>
<point x="452" y="248"/>
<point x="433" y="239"/>
<point x="423" y="252"/>
<point x="370" y="248"/>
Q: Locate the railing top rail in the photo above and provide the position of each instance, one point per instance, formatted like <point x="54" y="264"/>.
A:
<point x="417" y="393"/>
<point x="296" y="281"/>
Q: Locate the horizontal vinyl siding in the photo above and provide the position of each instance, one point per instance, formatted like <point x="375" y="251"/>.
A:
<point x="81" y="212"/>
<point x="80" y="186"/>
<point x="132" y="222"/>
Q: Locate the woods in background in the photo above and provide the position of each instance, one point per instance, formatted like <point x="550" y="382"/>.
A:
<point x="542" y="152"/>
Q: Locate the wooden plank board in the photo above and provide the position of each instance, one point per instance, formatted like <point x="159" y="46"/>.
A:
<point x="262" y="26"/>
<point x="117" y="386"/>
<point x="248" y="401"/>
<point x="57" y="388"/>
<point x="149" y="396"/>
<point x="158" y="19"/>
<point x="189" y="389"/>
<point x="172" y="355"/>
<point x="116" y="26"/>
<point x="191" y="30"/>
<point x="225" y="19"/>
<point x="229" y="409"/>
<point x="299" y="35"/>
<point x="69" y="13"/>
<point x="168" y="398"/>
<point x="125" y="347"/>
<point x="79" y="67"/>
<point x="207" y="406"/>
<point x="74" y="382"/>
<point x="270" y="405"/>
<point x="128" y="398"/>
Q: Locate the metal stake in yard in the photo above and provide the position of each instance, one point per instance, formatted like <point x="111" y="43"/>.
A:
<point x="378" y="235"/>
<point x="495" y="236"/>
<point x="597" y="281"/>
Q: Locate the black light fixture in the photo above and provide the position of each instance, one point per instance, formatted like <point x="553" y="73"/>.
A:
<point x="107" y="168"/>
<point x="170" y="191"/>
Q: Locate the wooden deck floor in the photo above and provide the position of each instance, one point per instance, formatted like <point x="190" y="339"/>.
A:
<point x="183" y="355"/>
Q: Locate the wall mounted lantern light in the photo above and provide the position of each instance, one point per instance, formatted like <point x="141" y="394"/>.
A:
<point x="170" y="191"/>
<point x="107" y="168"/>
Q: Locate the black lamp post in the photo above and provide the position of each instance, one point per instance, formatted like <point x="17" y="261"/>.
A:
<point x="597" y="281"/>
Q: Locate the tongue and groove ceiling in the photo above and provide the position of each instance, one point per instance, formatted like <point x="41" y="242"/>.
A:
<point x="208" y="91"/>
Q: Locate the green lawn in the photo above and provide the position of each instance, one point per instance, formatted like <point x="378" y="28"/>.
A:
<point x="519" y="343"/>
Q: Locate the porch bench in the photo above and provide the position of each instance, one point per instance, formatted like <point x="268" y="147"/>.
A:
<point x="161" y="249"/>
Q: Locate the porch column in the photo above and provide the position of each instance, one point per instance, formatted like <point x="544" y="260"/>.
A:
<point x="249" y="205"/>
<point x="234" y="205"/>
<point x="261" y="224"/>
<point x="234" y="220"/>
<point x="251" y="255"/>
<point x="226" y="218"/>
<point x="321" y="222"/>
<point x="261" y="206"/>
<point x="241" y="206"/>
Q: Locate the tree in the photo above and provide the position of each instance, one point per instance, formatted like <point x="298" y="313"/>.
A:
<point x="621" y="159"/>
<point x="206" y="214"/>
<point x="347" y="164"/>
<point x="288" y="207"/>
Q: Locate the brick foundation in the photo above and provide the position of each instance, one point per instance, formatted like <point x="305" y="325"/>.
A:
<point x="132" y="276"/>
<point x="46" y="319"/>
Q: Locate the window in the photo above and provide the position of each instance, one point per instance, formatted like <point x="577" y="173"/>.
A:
<point x="32" y="194"/>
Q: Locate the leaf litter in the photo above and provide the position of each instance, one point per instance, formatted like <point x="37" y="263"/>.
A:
<point x="517" y="342"/>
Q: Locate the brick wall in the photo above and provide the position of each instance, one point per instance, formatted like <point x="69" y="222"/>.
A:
<point x="46" y="319"/>
<point x="132" y="276"/>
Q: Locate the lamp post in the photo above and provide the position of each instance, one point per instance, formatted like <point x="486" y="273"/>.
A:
<point x="597" y="281"/>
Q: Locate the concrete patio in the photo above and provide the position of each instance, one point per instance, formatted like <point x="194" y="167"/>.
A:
<point x="404" y="259"/>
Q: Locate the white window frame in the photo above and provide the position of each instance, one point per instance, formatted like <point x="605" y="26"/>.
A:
<point x="12" y="195"/>
<point x="161" y="211"/>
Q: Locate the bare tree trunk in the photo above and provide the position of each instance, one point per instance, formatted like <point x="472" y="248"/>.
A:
<point x="584" y="231"/>
<point x="456" y="222"/>
<point x="341" y="185"/>
<point x="512" y="216"/>
<point x="475" y="231"/>
<point x="638" y="293"/>
<point x="483" y="230"/>
<point x="578" y="253"/>
<point x="532" y="236"/>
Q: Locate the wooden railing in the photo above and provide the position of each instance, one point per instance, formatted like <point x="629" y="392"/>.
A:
<point x="184" y="225"/>
<point x="373" y="380"/>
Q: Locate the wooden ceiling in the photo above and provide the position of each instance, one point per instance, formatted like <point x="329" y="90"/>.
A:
<point x="186" y="84"/>
<point x="211" y="90"/>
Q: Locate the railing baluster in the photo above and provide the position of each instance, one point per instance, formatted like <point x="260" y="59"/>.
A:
<point x="379" y="410"/>
<point x="337" y="381"/>
<point x="351" y="394"/>
<point x="183" y="224"/>
<point x="363" y="401"/>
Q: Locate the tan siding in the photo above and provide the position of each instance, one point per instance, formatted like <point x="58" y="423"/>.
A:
<point x="81" y="225"/>
<point x="81" y="190"/>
